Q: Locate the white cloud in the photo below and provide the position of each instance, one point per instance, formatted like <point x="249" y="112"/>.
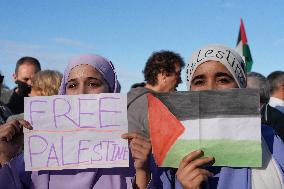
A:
<point x="17" y="46"/>
<point x="16" y="49"/>
<point x="279" y="41"/>
<point x="74" y="43"/>
<point x="11" y="51"/>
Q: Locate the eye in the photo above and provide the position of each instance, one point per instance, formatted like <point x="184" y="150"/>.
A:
<point x="95" y="83"/>
<point x="198" y="82"/>
<point x="92" y="84"/>
<point x="224" y="80"/>
<point x="71" y="85"/>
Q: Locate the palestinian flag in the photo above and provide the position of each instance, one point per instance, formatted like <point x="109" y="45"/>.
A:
<point x="243" y="49"/>
<point x="224" y="124"/>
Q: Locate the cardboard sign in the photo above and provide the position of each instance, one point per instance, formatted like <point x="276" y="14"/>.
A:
<point x="76" y="132"/>
<point x="224" y="124"/>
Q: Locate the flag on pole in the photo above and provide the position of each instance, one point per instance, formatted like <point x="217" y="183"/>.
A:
<point x="243" y="48"/>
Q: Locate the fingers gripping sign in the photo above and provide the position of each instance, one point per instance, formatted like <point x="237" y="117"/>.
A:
<point x="11" y="139"/>
<point x="11" y="128"/>
<point x="190" y="172"/>
<point x="140" y="148"/>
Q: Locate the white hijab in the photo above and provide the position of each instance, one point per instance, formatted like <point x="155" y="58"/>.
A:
<point x="225" y="55"/>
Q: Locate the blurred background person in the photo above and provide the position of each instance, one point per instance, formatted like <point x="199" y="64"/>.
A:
<point x="4" y="111"/>
<point x="258" y="81"/>
<point x="26" y="67"/>
<point x="276" y="83"/>
<point x="269" y="115"/>
<point x="5" y="92"/>
<point x="161" y="74"/>
<point x="44" y="83"/>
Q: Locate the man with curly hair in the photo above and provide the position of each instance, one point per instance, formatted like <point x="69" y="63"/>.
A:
<point x="162" y="74"/>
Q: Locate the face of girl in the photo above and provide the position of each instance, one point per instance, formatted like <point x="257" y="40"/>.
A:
<point x="212" y="75"/>
<point x="85" y="79"/>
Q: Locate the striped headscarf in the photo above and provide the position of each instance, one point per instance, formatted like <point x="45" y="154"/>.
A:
<point x="225" y="55"/>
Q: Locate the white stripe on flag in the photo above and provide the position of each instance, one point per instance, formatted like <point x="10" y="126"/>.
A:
<point x="245" y="128"/>
<point x="239" y="49"/>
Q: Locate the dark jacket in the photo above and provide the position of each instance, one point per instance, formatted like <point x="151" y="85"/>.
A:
<point x="4" y="113"/>
<point x="16" y="103"/>
<point x="274" y="118"/>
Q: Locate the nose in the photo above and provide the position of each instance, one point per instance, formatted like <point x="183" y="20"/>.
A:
<point x="80" y="90"/>
<point x="211" y="85"/>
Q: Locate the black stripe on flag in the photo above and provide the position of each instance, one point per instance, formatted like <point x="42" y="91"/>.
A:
<point x="186" y="105"/>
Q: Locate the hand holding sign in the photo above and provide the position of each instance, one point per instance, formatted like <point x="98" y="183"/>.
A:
<point x="140" y="147"/>
<point x="11" y="128"/>
<point x="190" y="174"/>
<point x="11" y="139"/>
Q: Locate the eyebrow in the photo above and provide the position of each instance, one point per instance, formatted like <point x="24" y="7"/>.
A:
<point x="218" y="74"/>
<point x="88" y="78"/>
<point x="201" y="76"/>
<point x="223" y="74"/>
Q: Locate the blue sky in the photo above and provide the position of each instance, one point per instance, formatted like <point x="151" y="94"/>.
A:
<point x="127" y="31"/>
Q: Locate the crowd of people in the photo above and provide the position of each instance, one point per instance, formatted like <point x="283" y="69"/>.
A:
<point x="213" y="67"/>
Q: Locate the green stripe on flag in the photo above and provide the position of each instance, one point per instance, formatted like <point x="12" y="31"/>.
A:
<point x="248" y="58"/>
<point x="236" y="153"/>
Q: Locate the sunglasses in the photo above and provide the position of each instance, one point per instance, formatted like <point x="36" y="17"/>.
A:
<point x="1" y="78"/>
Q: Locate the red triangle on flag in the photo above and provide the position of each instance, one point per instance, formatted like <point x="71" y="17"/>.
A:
<point x="164" y="127"/>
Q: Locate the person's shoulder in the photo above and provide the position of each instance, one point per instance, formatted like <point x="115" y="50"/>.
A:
<point x="275" y="112"/>
<point x="273" y="118"/>
<point x="136" y="93"/>
<point x="269" y="114"/>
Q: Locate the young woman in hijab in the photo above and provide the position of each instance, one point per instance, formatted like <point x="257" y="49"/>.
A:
<point x="93" y="74"/>
<point x="216" y="67"/>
